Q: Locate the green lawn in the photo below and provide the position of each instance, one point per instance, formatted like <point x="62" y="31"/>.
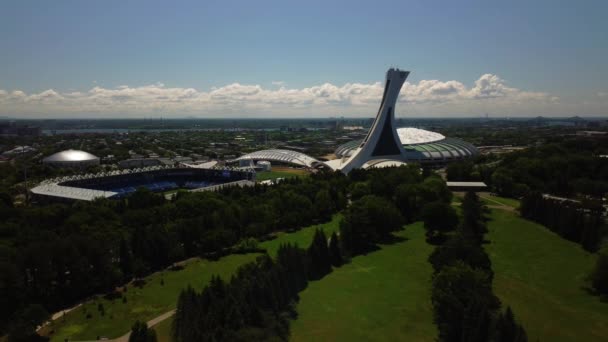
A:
<point x="143" y="304"/>
<point x="302" y="237"/>
<point x="384" y="295"/>
<point x="497" y="200"/>
<point x="280" y="173"/>
<point x="163" y="330"/>
<point x="542" y="277"/>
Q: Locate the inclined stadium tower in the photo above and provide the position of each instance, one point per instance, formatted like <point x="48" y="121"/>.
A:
<point x="384" y="144"/>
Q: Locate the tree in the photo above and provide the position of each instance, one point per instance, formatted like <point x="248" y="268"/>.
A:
<point x="438" y="218"/>
<point x="25" y="322"/>
<point x="460" y="171"/>
<point x="323" y="205"/>
<point x="599" y="275"/>
<point x="144" y="198"/>
<point x="318" y="254"/>
<point x="334" y="250"/>
<point x="368" y="221"/>
<point x="463" y="303"/>
<point x="141" y="333"/>
<point x="502" y="181"/>
<point x="359" y="190"/>
<point x="460" y="248"/>
<point x="408" y="200"/>
<point x="473" y="221"/>
<point x="506" y="329"/>
<point x="126" y="260"/>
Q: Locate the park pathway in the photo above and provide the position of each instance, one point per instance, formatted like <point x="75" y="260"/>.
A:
<point x="151" y="323"/>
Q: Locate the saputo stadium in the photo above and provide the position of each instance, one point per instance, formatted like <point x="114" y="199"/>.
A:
<point x="118" y="184"/>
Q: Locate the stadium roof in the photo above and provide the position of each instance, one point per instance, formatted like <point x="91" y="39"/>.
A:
<point x="70" y="192"/>
<point x="411" y="135"/>
<point x="281" y="156"/>
<point x="421" y="146"/>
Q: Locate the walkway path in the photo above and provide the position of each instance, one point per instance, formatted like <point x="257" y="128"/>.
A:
<point x="151" y="323"/>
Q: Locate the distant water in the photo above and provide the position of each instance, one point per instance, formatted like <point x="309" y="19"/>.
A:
<point x="135" y="130"/>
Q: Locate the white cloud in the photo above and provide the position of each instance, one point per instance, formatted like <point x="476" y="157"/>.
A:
<point x="602" y="94"/>
<point x="427" y="97"/>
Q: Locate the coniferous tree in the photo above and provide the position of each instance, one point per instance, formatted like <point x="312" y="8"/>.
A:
<point x="439" y="218"/>
<point x="334" y="250"/>
<point x="318" y="254"/>
<point x="126" y="260"/>
<point x="473" y="222"/>
<point x="463" y="302"/>
<point x="459" y="248"/>
<point x="506" y="329"/>
<point x="599" y="275"/>
<point x="323" y="205"/>
<point x="141" y="333"/>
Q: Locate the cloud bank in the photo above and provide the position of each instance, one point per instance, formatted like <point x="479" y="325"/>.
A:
<point x="488" y="94"/>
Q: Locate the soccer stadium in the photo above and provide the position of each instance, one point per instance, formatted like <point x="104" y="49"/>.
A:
<point x="118" y="184"/>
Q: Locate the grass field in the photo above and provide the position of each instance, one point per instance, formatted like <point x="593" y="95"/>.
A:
<point x="497" y="200"/>
<point x="143" y="304"/>
<point x="302" y="237"/>
<point x="163" y="330"/>
<point x="280" y="172"/>
<point x="487" y="199"/>
<point x="542" y="277"/>
<point x="380" y="296"/>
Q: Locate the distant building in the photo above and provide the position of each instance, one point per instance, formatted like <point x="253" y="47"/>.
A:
<point x="467" y="186"/>
<point x="263" y="165"/>
<point x="596" y="134"/>
<point x="19" y="150"/>
<point x="144" y="162"/>
<point x="11" y="129"/>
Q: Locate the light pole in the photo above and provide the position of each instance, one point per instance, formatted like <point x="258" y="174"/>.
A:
<point x="24" y="174"/>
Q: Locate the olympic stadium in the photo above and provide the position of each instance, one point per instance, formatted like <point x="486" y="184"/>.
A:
<point x="422" y="146"/>
<point x="384" y="144"/>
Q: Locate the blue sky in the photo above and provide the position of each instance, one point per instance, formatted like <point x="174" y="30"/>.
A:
<point x="551" y="53"/>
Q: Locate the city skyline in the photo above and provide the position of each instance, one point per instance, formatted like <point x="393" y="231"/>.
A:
<point x="70" y="59"/>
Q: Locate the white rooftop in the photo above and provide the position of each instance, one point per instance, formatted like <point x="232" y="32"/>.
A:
<point x="467" y="184"/>
<point x="411" y="136"/>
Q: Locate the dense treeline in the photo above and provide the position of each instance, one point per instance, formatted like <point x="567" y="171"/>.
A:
<point x="254" y="306"/>
<point x="464" y="306"/>
<point x="565" y="166"/>
<point x="257" y="303"/>
<point x="572" y="220"/>
<point x="53" y="256"/>
<point x="56" y="255"/>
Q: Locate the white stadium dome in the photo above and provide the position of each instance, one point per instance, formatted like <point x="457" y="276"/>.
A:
<point x="71" y="158"/>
